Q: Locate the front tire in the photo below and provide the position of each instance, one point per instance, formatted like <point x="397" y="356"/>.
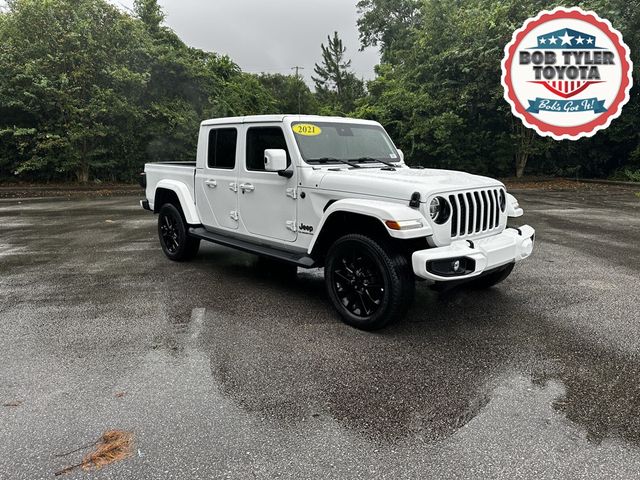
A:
<point x="175" y="240"/>
<point x="370" y="283"/>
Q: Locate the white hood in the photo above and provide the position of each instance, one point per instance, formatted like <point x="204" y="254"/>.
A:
<point x="402" y="182"/>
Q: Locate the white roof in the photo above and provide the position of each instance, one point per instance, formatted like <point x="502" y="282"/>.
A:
<point x="281" y="118"/>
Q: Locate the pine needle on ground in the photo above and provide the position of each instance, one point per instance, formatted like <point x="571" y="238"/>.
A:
<point x="113" y="446"/>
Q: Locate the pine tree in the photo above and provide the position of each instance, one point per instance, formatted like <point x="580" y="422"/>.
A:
<point x="336" y="86"/>
<point x="330" y="75"/>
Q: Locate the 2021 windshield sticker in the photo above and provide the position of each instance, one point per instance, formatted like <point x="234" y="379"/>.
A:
<point x="567" y="73"/>
<point x="307" y="129"/>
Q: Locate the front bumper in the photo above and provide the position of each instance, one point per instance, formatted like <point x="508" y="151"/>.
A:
<point x="474" y="257"/>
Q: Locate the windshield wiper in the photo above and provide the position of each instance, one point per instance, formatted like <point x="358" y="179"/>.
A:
<point x="371" y="159"/>
<point x="332" y="159"/>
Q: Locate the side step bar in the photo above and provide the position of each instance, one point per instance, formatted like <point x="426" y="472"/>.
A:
<point x="299" y="259"/>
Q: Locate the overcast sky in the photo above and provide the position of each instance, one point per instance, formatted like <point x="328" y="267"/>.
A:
<point x="268" y="35"/>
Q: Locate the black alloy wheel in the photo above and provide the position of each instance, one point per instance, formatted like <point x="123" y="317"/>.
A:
<point x="358" y="282"/>
<point x="169" y="233"/>
<point x="368" y="281"/>
<point x="174" y="237"/>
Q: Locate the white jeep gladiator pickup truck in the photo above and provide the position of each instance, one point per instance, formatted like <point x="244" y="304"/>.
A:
<point x="336" y="193"/>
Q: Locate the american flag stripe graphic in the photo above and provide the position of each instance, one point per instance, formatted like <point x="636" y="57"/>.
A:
<point x="566" y="86"/>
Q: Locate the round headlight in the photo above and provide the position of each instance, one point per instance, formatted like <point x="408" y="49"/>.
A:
<point x="502" y="200"/>
<point x="439" y="210"/>
<point x="434" y="208"/>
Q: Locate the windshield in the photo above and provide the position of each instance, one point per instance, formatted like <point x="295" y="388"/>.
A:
<point x="328" y="142"/>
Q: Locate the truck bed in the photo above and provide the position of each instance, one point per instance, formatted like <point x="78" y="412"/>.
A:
<point x="183" y="172"/>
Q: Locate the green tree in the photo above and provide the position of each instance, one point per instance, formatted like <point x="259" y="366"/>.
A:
<point x="291" y="94"/>
<point x="88" y="91"/>
<point x="387" y="24"/>
<point x="150" y="13"/>
<point x="336" y="86"/>
<point x="71" y="73"/>
<point x="439" y="89"/>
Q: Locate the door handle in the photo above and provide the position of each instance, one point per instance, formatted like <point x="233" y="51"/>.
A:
<point x="247" y="187"/>
<point x="211" y="183"/>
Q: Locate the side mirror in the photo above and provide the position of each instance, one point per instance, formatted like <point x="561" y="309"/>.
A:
<point x="275" y="160"/>
<point x="401" y="153"/>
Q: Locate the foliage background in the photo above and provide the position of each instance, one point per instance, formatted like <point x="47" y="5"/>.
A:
<point x="91" y="93"/>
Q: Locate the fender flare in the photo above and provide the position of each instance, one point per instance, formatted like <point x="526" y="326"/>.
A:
<point x="184" y="197"/>
<point x="380" y="210"/>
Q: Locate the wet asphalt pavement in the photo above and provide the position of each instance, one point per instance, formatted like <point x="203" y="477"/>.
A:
<point x="222" y="369"/>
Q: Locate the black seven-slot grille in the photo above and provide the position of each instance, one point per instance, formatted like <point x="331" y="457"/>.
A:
<point x="474" y="212"/>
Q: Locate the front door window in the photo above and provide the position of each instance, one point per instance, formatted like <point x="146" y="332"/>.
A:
<point x="260" y="139"/>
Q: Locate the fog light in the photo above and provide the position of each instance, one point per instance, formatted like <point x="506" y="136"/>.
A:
<point x="451" y="267"/>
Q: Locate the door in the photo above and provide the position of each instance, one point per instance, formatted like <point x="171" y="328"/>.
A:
<point x="266" y="201"/>
<point x="216" y="182"/>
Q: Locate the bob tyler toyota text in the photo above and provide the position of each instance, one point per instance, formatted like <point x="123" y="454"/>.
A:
<point x="567" y="73"/>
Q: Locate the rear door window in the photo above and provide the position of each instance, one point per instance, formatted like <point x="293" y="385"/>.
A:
<point x="222" y="148"/>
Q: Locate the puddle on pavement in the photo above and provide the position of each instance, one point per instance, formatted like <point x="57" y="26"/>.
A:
<point x="183" y="332"/>
<point x="285" y="359"/>
<point x="423" y="380"/>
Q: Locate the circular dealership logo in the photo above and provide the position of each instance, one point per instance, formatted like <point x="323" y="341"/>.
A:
<point x="566" y="73"/>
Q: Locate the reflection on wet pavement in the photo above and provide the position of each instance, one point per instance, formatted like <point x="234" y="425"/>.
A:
<point x="234" y="370"/>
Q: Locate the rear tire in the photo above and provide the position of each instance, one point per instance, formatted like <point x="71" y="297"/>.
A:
<point x="175" y="240"/>
<point x="494" y="278"/>
<point x="369" y="282"/>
